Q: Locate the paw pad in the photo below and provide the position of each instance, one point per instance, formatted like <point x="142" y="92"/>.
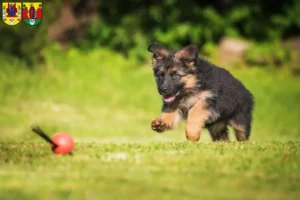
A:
<point x="158" y="125"/>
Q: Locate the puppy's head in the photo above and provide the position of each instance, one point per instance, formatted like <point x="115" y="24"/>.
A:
<point x="174" y="71"/>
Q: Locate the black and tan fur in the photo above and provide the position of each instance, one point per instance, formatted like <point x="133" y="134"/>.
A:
<point x="201" y="93"/>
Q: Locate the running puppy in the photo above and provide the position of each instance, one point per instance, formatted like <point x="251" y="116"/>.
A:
<point x="201" y="93"/>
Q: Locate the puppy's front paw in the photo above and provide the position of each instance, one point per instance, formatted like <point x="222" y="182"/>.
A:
<point x="158" y="125"/>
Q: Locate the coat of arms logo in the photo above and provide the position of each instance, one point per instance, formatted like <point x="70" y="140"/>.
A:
<point x="32" y="13"/>
<point x="11" y="12"/>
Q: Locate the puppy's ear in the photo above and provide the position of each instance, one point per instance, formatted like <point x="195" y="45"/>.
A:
<point x="159" y="52"/>
<point x="188" y="55"/>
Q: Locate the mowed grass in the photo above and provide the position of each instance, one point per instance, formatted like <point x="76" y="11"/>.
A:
<point x="165" y="170"/>
<point x="106" y="103"/>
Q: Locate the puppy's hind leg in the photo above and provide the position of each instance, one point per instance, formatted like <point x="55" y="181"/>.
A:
<point x="241" y="124"/>
<point x="219" y="131"/>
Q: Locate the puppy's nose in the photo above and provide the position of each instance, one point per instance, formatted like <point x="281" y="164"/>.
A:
<point x="164" y="89"/>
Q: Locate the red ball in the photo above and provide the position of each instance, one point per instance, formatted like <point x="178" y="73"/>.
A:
<point x="64" y="141"/>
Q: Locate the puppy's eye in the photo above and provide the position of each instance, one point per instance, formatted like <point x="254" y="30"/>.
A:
<point x="159" y="75"/>
<point x="175" y="76"/>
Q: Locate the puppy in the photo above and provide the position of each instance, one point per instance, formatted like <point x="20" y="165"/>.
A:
<point x="201" y="93"/>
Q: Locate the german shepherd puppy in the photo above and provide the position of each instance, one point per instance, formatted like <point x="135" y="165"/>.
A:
<point x="201" y="93"/>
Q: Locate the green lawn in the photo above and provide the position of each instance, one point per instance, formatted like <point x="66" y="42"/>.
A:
<point x="106" y="103"/>
<point x="161" y="170"/>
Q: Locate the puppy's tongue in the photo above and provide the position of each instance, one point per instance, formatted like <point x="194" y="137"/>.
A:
<point x="169" y="99"/>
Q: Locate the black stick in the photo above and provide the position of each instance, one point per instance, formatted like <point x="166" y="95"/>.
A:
<point x="41" y="133"/>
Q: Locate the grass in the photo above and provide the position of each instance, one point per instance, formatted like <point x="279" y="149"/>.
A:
<point x="164" y="170"/>
<point x="107" y="102"/>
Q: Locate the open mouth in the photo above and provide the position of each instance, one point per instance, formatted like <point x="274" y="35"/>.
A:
<point x="171" y="98"/>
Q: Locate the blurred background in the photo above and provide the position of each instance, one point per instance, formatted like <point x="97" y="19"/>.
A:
<point x="85" y="68"/>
